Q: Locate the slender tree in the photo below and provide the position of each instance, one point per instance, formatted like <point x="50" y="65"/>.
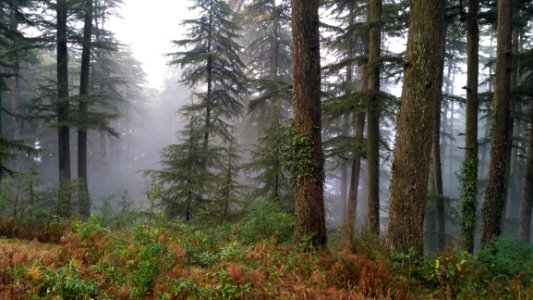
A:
<point x="269" y="59"/>
<point x="84" y="200"/>
<point x="470" y="164"/>
<point x="415" y="125"/>
<point x="309" y="200"/>
<point x="183" y="176"/>
<point x="495" y="192"/>
<point x="212" y="60"/>
<point x="527" y="202"/>
<point x="372" y="152"/>
<point x="64" y="205"/>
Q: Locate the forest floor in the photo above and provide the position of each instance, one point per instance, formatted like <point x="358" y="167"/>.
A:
<point x="253" y="258"/>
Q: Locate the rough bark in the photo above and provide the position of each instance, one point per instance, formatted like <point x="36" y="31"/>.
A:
<point x="83" y="187"/>
<point x="527" y="202"/>
<point x="64" y="205"/>
<point x="372" y="152"/>
<point x="470" y="164"/>
<point x="495" y="193"/>
<point x="415" y="125"/>
<point x="309" y="200"/>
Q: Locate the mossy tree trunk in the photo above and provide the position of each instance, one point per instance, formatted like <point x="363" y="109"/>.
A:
<point x="372" y="152"/>
<point x="470" y="164"/>
<point x="309" y="200"/>
<point x="415" y="125"/>
<point x="495" y="193"/>
<point x="64" y="205"/>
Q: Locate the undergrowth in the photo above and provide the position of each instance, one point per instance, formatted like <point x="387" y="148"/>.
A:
<point x="252" y="257"/>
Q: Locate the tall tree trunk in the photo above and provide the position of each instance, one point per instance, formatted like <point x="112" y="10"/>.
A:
<point x="275" y="106"/>
<point x="527" y="202"/>
<point x="437" y="175"/>
<point x="344" y="182"/>
<point x="485" y="149"/>
<point x="83" y="188"/>
<point x="415" y="125"/>
<point x="372" y="152"/>
<point x="495" y="193"/>
<point x="436" y="153"/>
<point x="208" y="99"/>
<point x="309" y="200"/>
<point x="229" y="177"/>
<point x="470" y="164"/>
<point x="64" y="205"/>
<point x="512" y="172"/>
<point x="1" y="135"/>
<point x="351" y="211"/>
<point x="15" y="80"/>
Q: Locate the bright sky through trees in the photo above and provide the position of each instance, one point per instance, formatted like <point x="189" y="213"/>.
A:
<point x="148" y="27"/>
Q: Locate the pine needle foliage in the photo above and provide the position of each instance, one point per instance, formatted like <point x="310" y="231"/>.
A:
<point x="210" y="61"/>
<point x="183" y="180"/>
<point x="268" y="53"/>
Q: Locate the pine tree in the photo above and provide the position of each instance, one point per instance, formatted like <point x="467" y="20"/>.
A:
<point x="64" y="200"/>
<point x="346" y="102"/>
<point x="268" y="35"/>
<point x="184" y="179"/>
<point x="84" y="200"/>
<point x="209" y="57"/>
<point x="13" y="45"/>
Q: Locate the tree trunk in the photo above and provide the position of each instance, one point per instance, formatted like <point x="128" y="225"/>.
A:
<point x="512" y="172"/>
<point x="415" y="125"/>
<point x="372" y="152"/>
<point x="525" y="217"/>
<point x="440" y="220"/>
<point x="309" y="200"/>
<point x="229" y="177"/>
<point x="344" y="182"/>
<point x="208" y="99"/>
<point x="470" y="164"/>
<point x="15" y="80"/>
<point x="1" y="135"/>
<point x="495" y="193"/>
<point x="351" y="211"/>
<point x="84" y="200"/>
<point x="64" y="205"/>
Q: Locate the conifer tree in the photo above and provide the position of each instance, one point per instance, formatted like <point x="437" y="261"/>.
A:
<point x="209" y="57"/>
<point x="64" y="206"/>
<point x="84" y="200"/>
<point x="268" y="36"/>
<point x="183" y="177"/>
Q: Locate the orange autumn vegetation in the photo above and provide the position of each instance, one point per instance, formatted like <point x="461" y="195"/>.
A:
<point x="158" y="259"/>
<point x="164" y="263"/>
